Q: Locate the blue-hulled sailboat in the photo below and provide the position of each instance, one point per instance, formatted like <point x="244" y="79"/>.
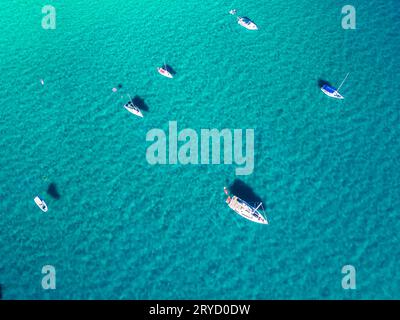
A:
<point x="333" y="92"/>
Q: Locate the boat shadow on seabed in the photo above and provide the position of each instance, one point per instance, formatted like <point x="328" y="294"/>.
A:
<point x="170" y="69"/>
<point x="244" y="192"/>
<point x="139" y="102"/>
<point x="52" y="191"/>
<point x="322" y="82"/>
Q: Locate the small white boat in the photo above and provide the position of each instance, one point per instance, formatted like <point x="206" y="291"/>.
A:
<point x="41" y="204"/>
<point x="331" y="91"/>
<point x="247" y="23"/>
<point x="133" y="109"/>
<point x="163" y="71"/>
<point x="244" y="209"/>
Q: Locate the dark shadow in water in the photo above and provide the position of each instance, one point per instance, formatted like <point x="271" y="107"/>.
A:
<point x="170" y="69"/>
<point x="1" y="292"/>
<point x="322" y="82"/>
<point x="119" y="86"/>
<point x="52" y="191"/>
<point x="139" y="102"/>
<point x="243" y="191"/>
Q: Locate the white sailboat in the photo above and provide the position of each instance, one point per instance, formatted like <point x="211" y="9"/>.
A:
<point x="164" y="71"/>
<point x="132" y="108"/>
<point x="331" y="91"/>
<point x="244" y="209"/>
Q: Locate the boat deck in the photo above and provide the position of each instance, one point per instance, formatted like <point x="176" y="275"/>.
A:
<point x="235" y="205"/>
<point x="246" y="210"/>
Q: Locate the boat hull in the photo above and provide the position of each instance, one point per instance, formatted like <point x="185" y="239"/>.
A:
<point x="135" y="112"/>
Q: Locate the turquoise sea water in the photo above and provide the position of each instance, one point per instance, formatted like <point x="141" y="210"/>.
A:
<point x="327" y="171"/>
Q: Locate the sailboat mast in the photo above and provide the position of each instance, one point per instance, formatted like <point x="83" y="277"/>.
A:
<point x="342" y="82"/>
<point x="259" y="205"/>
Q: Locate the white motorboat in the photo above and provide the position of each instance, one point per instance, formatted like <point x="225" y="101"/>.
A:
<point x="247" y="23"/>
<point x="41" y="204"/>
